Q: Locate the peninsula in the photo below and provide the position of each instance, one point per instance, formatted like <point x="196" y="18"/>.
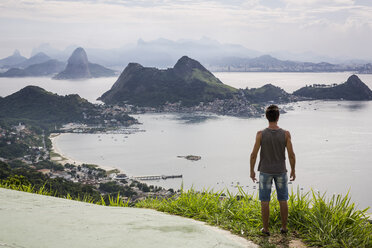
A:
<point x="37" y="107"/>
<point x="353" y="89"/>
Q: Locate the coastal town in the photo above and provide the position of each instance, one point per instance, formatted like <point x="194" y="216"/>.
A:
<point x="233" y="107"/>
<point x="21" y="147"/>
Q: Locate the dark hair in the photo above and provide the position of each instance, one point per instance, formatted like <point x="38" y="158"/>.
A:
<point x="272" y="113"/>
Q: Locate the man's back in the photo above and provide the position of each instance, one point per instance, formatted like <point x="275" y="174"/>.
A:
<point x="272" y="155"/>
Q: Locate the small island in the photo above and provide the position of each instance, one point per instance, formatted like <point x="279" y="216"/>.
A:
<point x="190" y="157"/>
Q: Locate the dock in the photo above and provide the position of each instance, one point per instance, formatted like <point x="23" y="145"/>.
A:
<point x="163" y="177"/>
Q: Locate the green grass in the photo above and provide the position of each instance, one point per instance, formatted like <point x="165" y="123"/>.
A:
<point x="212" y="81"/>
<point x="320" y="222"/>
<point x="107" y="200"/>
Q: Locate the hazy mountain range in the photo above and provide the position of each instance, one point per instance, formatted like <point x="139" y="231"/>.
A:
<point x="215" y="56"/>
<point x="40" y="65"/>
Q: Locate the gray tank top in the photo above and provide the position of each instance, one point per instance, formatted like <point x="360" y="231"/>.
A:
<point x="272" y="155"/>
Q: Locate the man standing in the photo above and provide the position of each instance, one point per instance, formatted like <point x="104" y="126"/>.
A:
<point x="273" y="141"/>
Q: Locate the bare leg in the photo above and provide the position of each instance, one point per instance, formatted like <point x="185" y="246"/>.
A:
<point x="284" y="213"/>
<point x="265" y="212"/>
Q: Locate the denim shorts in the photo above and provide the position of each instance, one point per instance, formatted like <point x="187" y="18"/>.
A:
<point x="281" y="185"/>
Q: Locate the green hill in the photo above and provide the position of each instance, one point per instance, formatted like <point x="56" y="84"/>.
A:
<point x="36" y="104"/>
<point x="353" y="89"/>
<point x="188" y="81"/>
<point x="267" y="93"/>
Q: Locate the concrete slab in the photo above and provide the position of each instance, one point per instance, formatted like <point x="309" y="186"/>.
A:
<point x="30" y="220"/>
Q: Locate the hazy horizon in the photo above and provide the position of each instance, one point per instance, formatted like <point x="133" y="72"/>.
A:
<point x="329" y="28"/>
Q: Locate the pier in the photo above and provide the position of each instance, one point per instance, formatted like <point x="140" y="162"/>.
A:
<point x="163" y="177"/>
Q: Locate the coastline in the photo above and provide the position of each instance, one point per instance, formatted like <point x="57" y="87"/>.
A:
<point x="61" y="158"/>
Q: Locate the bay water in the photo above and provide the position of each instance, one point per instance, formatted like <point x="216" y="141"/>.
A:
<point x="332" y="139"/>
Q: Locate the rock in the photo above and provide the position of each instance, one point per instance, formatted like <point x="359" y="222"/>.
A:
<point x="190" y="157"/>
<point x="78" y="67"/>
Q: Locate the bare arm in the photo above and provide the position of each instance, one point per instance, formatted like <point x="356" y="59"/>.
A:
<point x="291" y="156"/>
<point x="254" y="153"/>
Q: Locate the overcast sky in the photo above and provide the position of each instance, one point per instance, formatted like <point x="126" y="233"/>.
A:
<point x="336" y="28"/>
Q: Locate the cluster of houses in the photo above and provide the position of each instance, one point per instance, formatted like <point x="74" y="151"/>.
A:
<point x="234" y="107"/>
<point x="17" y="135"/>
<point x="91" y="175"/>
<point x="10" y="136"/>
<point x="322" y="85"/>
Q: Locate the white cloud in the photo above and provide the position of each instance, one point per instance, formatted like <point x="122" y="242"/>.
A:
<point x="319" y="2"/>
<point x="295" y="25"/>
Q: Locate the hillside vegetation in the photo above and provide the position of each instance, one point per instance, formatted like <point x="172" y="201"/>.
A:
<point x="353" y="89"/>
<point x="187" y="82"/>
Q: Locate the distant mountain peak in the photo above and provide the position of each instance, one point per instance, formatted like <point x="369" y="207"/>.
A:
<point x="269" y="85"/>
<point x="29" y="92"/>
<point x="131" y="69"/>
<point x="12" y="60"/>
<point x="16" y="53"/>
<point x="79" y="56"/>
<point x="354" y="80"/>
<point x="266" y="57"/>
<point x="31" y="87"/>
<point x="78" y="67"/>
<point x="134" y="66"/>
<point x="40" y="54"/>
<point x="186" y="63"/>
<point x="140" y="41"/>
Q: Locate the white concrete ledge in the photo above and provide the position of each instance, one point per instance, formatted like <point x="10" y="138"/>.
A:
<point x="30" y="220"/>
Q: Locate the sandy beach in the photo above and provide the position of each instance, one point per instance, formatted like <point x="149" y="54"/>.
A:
<point x="61" y="158"/>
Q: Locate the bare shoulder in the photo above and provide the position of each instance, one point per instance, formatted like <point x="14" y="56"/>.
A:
<point x="258" y="136"/>
<point x="287" y="134"/>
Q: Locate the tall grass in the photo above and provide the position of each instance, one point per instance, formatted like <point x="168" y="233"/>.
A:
<point x="106" y="200"/>
<point x="319" y="222"/>
<point x="337" y="223"/>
